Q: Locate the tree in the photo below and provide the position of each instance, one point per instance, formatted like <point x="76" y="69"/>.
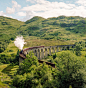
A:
<point x="70" y="70"/>
<point x="27" y="63"/>
<point x="78" y="50"/>
<point x="79" y="46"/>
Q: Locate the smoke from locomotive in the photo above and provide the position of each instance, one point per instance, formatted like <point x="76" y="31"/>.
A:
<point x="19" y="42"/>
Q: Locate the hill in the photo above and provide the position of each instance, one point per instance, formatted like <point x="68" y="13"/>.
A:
<point x="60" y="29"/>
<point x="38" y="31"/>
<point x="8" y="31"/>
<point x="38" y="26"/>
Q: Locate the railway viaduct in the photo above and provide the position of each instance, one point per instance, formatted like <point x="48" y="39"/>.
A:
<point x="42" y="51"/>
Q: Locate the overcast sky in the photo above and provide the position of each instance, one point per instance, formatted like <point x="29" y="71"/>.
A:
<point x="26" y="9"/>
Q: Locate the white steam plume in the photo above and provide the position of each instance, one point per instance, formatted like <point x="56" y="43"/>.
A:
<point x="19" y="42"/>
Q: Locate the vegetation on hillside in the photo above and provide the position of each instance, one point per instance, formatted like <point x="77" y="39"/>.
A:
<point x="51" y="28"/>
<point x="61" y="28"/>
<point x="69" y="70"/>
<point x="8" y="31"/>
<point x="70" y="65"/>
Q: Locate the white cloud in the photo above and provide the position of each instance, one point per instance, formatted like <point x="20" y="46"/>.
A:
<point x="36" y="7"/>
<point x="14" y="8"/>
<point x="79" y="11"/>
<point x="21" y="14"/>
<point x="38" y="1"/>
<point x="42" y="1"/>
<point x="2" y="13"/>
<point x="47" y="9"/>
<point x="10" y="10"/>
<point x="32" y="1"/>
<point x="29" y="15"/>
<point x="16" y="5"/>
<point x="81" y="2"/>
<point x="48" y="6"/>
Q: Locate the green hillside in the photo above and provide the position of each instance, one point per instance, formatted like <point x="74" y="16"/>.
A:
<point x="8" y="31"/>
<point x="60" y="29"/>
<point x="53" y="28"/>
<point x="38" y="31"/>
<point x="70" y="64"/>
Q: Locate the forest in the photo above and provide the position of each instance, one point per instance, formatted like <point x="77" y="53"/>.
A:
<point x="69" y="71"/>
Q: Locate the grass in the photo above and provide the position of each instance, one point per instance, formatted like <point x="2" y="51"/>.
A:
<point x="5" y="71"/>
<point x="83" y="53"/>
<point x="13" y="70"/>
<point x="4" y="77"/>
<point x="11" y="48"/>
<point x="31" y="41"/>
<point x="2" y="85"/>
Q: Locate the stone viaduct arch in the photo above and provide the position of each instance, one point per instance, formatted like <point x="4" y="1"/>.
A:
<point x="43" y="51"/>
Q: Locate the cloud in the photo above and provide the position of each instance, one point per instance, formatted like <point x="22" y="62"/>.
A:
<point x="32" y="1"/>
<point x="2" y="13"/>
<point x="36" y="7"/>
<point x="79" y="11"/>
<point x="48" y="9"/>
<point x="81" y="2"/>
<point x="10" y="10"/>
<point x="29" y="15"/>
<point x="48" y="6"/>
<point x="14" y="8"/>
<point x="21" y="14"/>
<point x="38" y="1"/>
<point x="16" y="5"/>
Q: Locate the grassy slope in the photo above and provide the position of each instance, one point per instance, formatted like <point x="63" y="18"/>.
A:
<point x="44" y="28"/>
<point x="9" y="26"/>
<point x="4" y="77"/>
<point x="11" y="47"/>
<point x="6" y="72"/>
<point x="8" y="31"/>
<point x="39" y="31"/>
<point x="47" y="30"/>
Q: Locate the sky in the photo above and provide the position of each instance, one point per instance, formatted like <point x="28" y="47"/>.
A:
<point x="24" y="10"/>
